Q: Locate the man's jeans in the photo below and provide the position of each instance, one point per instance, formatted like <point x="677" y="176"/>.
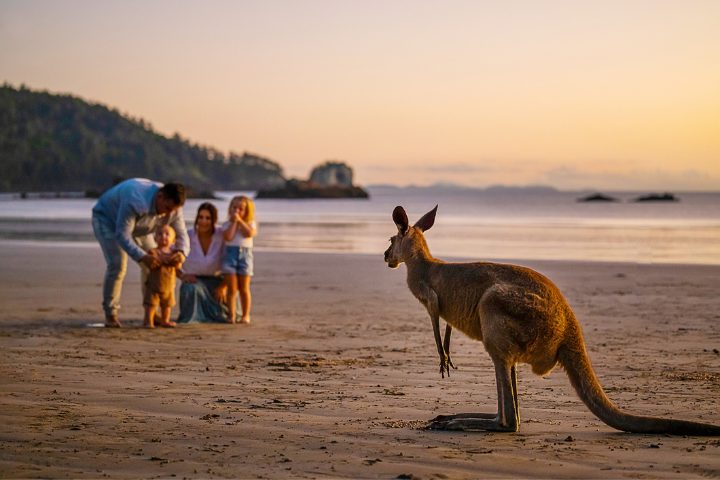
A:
<point x="116" y="260"/>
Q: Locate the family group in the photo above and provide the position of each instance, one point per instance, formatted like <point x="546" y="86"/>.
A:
<point x="144" y="220"/>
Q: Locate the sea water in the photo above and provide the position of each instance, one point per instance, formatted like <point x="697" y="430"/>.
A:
<point x="471" y="224"/>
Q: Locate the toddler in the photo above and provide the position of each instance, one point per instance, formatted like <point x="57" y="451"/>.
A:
<point x="160" y="286"/>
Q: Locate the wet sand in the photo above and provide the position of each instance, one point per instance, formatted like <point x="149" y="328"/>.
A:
<point x="336" y="375"/>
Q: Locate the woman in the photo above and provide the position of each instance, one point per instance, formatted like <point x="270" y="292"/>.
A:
<point x="201" y="282"/>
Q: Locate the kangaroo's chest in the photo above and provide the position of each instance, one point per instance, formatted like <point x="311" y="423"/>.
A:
<point x="455" y="307"/>
<point x="461" y="315"/>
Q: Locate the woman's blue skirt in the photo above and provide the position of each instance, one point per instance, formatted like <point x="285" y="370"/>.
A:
<point x="197" y="303"/>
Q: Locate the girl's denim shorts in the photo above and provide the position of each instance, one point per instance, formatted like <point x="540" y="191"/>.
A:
<point x="238" y="261"/>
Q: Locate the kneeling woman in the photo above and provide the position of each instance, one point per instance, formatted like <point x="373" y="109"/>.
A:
<point x="202" y="285"/>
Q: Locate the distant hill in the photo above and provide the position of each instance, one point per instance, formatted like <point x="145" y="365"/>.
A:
<point x="62" y="143"/>
<point x="455" y="188"/>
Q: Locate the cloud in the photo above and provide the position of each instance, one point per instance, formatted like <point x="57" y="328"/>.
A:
<point x="438" y="167"/>
<point x="459" y="168"/>
<point x="597" y="174"/>
<point x="430" y="173"/>
<point x="571" y="177"/>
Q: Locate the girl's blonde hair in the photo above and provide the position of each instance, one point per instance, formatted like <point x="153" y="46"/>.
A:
<point x="249" y="215"/>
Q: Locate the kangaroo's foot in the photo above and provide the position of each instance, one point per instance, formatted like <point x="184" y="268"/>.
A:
<point x="445" y="418"/>
<point x="469" y="422"/>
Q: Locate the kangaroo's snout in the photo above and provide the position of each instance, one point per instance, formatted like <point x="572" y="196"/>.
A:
<point x="392" y="263"/>
<point x="387" y="256"/>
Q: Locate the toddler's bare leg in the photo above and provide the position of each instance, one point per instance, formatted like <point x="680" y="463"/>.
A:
<point x="149" y="320"/>
<point x="166" y="322"/>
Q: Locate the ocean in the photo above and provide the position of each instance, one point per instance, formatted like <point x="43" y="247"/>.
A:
<point x="472" y="224"/>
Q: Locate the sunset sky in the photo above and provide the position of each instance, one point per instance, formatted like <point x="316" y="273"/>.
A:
<point x="573" y="94"/>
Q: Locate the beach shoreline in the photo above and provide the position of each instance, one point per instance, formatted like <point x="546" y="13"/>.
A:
<point x="336" y="374"/>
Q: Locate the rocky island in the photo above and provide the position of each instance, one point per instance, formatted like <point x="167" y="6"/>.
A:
<point x="657" y="197"/>
<point x="597" y="197"/>
<point x="329" y="180"/>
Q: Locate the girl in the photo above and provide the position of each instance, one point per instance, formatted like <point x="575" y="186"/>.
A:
<point x="237" y="266"/>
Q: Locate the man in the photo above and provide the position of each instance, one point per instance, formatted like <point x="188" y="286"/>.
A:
<point x="124" y="220"/>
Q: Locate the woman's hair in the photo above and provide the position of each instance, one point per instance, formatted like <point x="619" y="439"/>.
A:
<point x="249" y="207"/>
<point x="213" y="214"/>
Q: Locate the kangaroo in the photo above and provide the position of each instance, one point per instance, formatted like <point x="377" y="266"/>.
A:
<point x="520" y="316"/>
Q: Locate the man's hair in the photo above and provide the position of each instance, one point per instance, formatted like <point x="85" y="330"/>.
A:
<point x="175" y="192"/>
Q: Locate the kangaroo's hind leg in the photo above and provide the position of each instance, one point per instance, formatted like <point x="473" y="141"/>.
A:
<point x="513" y="377"/>
<point x="507" y="418"/>
<point x="445" y="418"/>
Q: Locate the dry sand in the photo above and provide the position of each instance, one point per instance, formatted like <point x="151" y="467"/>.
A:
<point x="335" y="376"/>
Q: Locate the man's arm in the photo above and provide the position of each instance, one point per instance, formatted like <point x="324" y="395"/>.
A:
<point x="124" y="228"/>
<point x="182" y="241"/>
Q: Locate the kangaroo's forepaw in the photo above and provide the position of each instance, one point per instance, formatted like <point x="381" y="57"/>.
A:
<point x="445" y="365"/>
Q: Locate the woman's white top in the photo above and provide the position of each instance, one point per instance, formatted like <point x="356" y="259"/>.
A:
<point x="201" y="263"/>
<point x="238" y="240"/>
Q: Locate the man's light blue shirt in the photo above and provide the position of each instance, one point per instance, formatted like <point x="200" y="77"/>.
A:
<point x="129" y="209"/>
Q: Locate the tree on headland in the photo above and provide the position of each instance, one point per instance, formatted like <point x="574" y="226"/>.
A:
<point x="54" y="142"/>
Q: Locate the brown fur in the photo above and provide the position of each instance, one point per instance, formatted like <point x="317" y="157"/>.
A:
<point x="520" y="316"/>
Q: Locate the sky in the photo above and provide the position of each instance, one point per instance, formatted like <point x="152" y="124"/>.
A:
<point x="613" y="95"/>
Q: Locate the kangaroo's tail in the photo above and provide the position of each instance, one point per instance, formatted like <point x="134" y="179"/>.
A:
<point x="575" y="361"/>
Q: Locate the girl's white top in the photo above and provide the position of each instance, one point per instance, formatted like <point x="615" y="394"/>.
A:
<point x="238" y="240"/>
<point x="200" y="263"/>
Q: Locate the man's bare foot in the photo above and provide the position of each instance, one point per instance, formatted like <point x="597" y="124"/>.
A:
<point x="147" y="325"/>
<point x="245" y="320"/>
<point x="168" y="324"/>
<point x="112" y="322"/>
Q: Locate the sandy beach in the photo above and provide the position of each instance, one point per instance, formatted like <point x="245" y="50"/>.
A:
<point x="336" y="376"/>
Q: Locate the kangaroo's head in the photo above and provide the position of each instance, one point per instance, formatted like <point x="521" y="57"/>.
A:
<point x="409" y="241"/>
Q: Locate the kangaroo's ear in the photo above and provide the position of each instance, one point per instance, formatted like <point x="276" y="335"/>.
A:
<point x="401" y="219"/>
<point x="427" y="220"/>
